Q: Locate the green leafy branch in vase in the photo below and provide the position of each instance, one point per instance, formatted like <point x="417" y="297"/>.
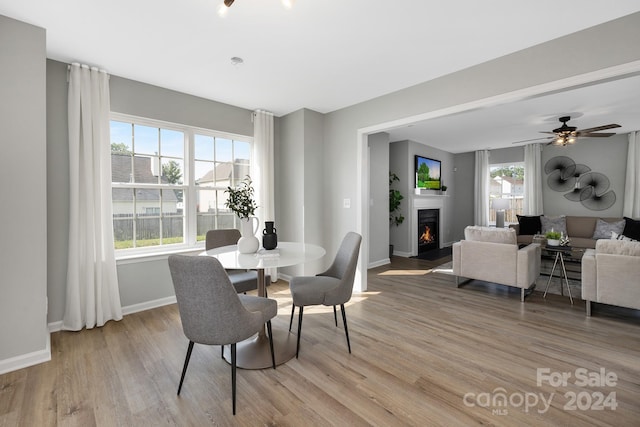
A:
<point x="240" y="199"/>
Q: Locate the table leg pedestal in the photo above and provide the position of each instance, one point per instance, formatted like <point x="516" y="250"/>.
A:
<point x="254" y="352"/>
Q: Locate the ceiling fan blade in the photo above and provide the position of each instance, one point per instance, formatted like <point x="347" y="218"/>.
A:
<point x="603" y="127"/>
<point x="551" y="133"/>
<point x="594" y="135"/>
<point x="542" y="138"/>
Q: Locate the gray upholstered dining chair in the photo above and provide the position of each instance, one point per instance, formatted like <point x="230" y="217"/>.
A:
<point x="212" y="312"/>
<point x="242" y="280"/>
<point x="331" y="288"/>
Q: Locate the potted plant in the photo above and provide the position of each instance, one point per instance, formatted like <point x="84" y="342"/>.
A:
<point x="241" y="202"/>
<point x="553" y="238"/>
<point x="395" y="198"/>
<point x="443" y="188"/>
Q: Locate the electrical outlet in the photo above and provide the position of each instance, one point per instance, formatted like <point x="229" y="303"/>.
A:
<point x="346" y="203"/>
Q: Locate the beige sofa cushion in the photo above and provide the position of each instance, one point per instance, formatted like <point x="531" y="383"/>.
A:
<point x="618" y="247"/>
<point x="491" y="235"/>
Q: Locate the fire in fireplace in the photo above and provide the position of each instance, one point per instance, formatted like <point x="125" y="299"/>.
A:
<point x="428" y="223"/>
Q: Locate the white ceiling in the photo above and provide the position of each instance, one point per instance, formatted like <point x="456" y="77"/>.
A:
<point x="323" y="55"/>
<point x="500" y="126"/>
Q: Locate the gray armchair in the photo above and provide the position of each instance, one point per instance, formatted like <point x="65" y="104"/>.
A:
<point x="493" y="255"/>
<point x="242" y="280"/>
<point x="212" y="312"/>
<point x="331" y="288"/>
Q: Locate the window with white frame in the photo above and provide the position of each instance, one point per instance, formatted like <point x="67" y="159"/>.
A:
<point x="506" y="182"/>
<point x="169" y="182"/>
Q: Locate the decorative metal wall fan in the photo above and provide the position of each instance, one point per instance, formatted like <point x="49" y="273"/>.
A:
<point x="567" y="135"/>
<point x="581" y="184"/>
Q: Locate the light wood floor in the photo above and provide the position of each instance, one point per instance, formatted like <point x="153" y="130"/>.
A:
<point x="420" y="345"/>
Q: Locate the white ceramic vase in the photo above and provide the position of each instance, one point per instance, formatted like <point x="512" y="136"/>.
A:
<point x="248" y="243"/>
<point x="553" y="242"/>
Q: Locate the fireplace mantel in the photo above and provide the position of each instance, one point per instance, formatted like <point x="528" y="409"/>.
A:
<point x="426" y="201"/>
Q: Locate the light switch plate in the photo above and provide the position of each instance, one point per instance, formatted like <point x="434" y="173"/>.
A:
<point x="346" y="203"/>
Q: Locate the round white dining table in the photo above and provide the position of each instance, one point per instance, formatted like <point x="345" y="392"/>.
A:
<point x="254" y="353"/>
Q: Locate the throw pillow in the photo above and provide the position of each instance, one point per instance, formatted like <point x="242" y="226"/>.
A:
<point x="632" y="228"/>
<point x="558" y="223"/>
<point x="604" y="228"/>
<point x="528" y="225"/>
<point x="616" y="236"/>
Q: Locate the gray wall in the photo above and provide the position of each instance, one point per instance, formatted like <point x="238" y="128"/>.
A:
<point x="23" y="264"/>
<point x="299" y="172"/>
<point x="23" y="88"/>
<point x="143" y="280"/>
<point x="402" y="155"/>
<point x="609" y="44"/>
<point x="605" y="155"/>
<point x="462" y="207"/>
<point x="379" y="198"/>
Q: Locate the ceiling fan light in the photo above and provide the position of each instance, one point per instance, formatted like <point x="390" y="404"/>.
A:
<point x="222" y="10"/>
<point x="288" y="3"/>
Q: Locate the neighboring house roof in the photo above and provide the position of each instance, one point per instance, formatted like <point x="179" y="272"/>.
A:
<point x="222" y="171"/>
<point x="510" y="179"/>
<point x="121" y="172"/>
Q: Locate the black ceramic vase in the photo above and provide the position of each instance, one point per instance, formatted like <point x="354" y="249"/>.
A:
<point x="269" y="236"/>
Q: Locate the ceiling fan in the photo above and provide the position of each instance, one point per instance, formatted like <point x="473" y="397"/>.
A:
<point x="567" y="135"/>
<point x="226" y="4"/>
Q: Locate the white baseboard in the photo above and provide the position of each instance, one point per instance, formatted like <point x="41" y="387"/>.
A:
<point x="148" y="305"/>
<point x="26" y="360"/>
<point x="285" y="277"/>
<point x="378" y="263"/>
<point x="402" y="254"/>
<point x="130" y="309"/>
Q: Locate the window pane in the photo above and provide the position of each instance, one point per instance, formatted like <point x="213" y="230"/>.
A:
<point x="242" y="150"/>
<point x="172" y="171"/>
<point x="204" y="174"/>
<point x="172" y="143"/>
<point x="173" y="217"/>
<point x="241" y="170"/>
<point x="145" y="139"/>
<point x="206" y="201"/>
<point x="121" y="137"/>
<point x="223" y="150"/>
<point x="203" y="147"/>
<point x="122" y="218"/>
<point x="147" y="231"/>
<point x="507" y="182"/>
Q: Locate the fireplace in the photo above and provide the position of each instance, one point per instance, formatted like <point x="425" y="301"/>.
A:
<point x="428" y="229"/>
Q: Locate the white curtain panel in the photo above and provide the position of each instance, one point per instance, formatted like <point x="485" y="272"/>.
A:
<point x="481" y="202"/>
<point x="532" y="179"/>
<point x="92" y="295"/>
<point x="631" y="206"/>
<point x="263" y="171"/>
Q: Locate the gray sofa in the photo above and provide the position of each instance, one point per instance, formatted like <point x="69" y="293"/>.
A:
<point x="580" y="230"/>
<point x="492" y="255"/>
<point x="611" y="274"/>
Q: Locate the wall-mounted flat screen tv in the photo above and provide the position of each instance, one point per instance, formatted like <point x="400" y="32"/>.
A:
<point x="427" y="173"/>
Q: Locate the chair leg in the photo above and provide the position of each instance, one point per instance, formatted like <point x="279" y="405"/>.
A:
<point x="293" y="309"/>
<point x="273" y="356"/>
<point x="335" y="315"/>
<point x="346" y="331"/>
<point x="299" y="330"/>
<point x="222" y="351"/>
<point x="233" y="376"/>
<point x="186" y="363"/>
